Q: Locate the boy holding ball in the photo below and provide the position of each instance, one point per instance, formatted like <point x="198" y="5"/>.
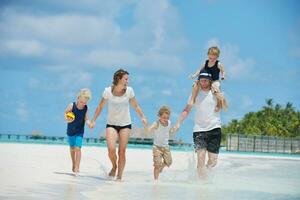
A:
<point x="77" y="115"/>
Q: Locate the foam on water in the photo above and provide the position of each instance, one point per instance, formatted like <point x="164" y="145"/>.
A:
<point x="233" y="178"/>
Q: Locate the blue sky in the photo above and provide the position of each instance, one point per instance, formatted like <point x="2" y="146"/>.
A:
<point x="51" y="49"/>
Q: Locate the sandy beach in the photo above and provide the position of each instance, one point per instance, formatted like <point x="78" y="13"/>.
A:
<point x="36" y="171"/>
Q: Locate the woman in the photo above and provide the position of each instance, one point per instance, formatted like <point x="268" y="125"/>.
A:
<point x="118" y="127"/>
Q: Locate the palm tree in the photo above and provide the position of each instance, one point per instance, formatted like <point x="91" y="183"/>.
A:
<point x="270" y="120"/>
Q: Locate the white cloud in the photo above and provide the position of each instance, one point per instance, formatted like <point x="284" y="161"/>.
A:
<point x="167" y="92"/>
<point x="109" y="58"/>
<point x="161" y="62"/>
<point x="139" y="79"/>
<point x="145" y="94"/>
<point x="246" y="102"/>
<point x="152" y="60"/>
<point x="30" y="48"/>
<point x="66" y="81"/>
<point x="62" y="29"/>
<point x="212" y="42"/>
<point x="80" y="38"/>
<point x="58" y="68"/>
<point x="76" y="79"/>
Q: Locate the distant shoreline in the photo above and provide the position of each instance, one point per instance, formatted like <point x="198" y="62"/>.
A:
<point x="223" y="151"/>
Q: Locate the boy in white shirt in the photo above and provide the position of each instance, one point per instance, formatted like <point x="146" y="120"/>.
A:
<point x="161" y="133"/>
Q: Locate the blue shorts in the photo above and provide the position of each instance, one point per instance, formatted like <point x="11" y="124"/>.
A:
<point x="75" y="141"/>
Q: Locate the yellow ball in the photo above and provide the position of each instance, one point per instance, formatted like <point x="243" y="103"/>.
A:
<point x="70" y="115"/>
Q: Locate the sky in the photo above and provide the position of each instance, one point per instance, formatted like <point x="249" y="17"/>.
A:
<point x="51" y="49"/>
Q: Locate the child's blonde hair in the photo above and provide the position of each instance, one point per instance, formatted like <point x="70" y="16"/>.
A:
<point x="164" y="109"/>
<point x="213" y="51"/>
<point x="85" y="93"/>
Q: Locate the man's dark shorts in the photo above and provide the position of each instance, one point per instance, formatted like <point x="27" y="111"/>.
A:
<point x="209" y="140"/>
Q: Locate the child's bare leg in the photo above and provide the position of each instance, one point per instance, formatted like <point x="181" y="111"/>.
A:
<point x="156" y="172"/>
<point x="219" y="95"/>
<point x="221" y="102"/>
<point x="72" y="153"/>
<point x="77" y="158"/>
<point x="162" y="167"/>
<point x="195" y="91"/>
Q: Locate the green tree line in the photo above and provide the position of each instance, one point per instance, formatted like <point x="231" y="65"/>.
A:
<point x="270" y="120"/>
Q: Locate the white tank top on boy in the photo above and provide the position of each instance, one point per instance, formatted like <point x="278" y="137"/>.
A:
<point x="118" y="107"/>
<point x="161" y="135"/>
<point x="206" y="118"/>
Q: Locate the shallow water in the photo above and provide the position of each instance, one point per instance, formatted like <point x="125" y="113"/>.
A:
<point x="235" y="177"/>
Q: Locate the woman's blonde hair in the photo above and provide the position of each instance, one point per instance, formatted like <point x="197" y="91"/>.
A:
<point x="118" y="75"/>
<point x="164" y="109"/>
<point x="85" y="93"/>
<point x="213" y="51"/>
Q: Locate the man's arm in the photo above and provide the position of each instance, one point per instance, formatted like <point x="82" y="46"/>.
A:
<point x="182" y="117"/>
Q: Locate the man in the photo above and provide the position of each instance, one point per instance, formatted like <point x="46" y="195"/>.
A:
<point x="207" y="125"/>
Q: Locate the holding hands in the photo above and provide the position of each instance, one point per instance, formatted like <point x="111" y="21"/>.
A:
<point x="175" y="128"/>
<point x="144" y="121"/>
<point x="92" y="124"/>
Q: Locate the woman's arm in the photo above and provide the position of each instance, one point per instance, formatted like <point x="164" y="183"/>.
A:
<point x="98" y="111"/>
<point x="87" y="118"/>
<point x="138" y="110"/>
<point x="151" y="128"/>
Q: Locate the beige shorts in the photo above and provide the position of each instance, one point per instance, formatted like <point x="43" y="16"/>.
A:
<point x="161" y="156"/>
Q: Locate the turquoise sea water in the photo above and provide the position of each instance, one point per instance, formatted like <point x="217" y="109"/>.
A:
<point x="96" y="142"/>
